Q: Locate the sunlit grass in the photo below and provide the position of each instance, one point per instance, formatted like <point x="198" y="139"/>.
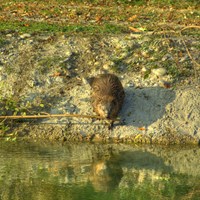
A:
<point x="30" y="27"/>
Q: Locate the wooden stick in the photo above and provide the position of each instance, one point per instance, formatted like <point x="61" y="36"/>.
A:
<point x="189" y="27"/>
<point x="53" y="115"/>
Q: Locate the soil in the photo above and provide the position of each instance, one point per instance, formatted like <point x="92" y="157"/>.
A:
<point x="47" y="73"/>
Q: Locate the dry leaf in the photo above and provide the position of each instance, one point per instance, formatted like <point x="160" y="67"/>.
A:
<point x="27" y="25"/>
<point x="134" y="29"/>
<point x="139" y="135"/>
<point x="132" y="18"/>
<point x="56" y="74"/>
<point x="167" y="85"/>
<point x="180" y="54"/>
<point x="98" y="19"/>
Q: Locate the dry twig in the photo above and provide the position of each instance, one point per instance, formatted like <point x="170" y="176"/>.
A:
<point x="188" y="52"/>
<point x="52" y="116"/>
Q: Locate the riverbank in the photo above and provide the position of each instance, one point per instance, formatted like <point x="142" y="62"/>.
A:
<point x="45" y="76"/>
<point x="46" y="70"/>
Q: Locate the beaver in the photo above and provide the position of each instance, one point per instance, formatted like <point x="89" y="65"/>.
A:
<point x="107" y="96"/>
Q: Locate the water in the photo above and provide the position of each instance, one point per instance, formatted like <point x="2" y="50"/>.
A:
<point x="96" y="171"/>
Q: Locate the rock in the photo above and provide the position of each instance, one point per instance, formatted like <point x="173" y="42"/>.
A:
<point x="69" y="66"/>
<point x="159" y="72"/>
<point x="144" y="69"/>
<point x="167" y="57"/>
<point x="25" y="35"/>
<point x="9" y="35"/>
<point x="130" y="84"/>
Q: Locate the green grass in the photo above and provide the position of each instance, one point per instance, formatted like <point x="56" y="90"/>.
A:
<point x="95" y="16"/>
<point x="163" y="3"/>
<point x="44" y="26"/>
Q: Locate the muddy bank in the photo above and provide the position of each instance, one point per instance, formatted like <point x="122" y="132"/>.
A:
<point x="158" y="121"/>
<point x="47" y="74"/>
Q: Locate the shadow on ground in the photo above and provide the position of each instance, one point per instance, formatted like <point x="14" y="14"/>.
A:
<point x="142" y="107"/>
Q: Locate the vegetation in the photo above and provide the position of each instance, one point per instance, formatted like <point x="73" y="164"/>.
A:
<point x="33" y="27"/>
<point x="96" y="16"/>
<point x="12" y="106"/>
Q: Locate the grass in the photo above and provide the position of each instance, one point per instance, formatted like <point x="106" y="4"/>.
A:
<point x="94" y="16"/>
<point x="179" y="3"/>
<point x="32" y="27"/>
<point x="3" y="42"/>
<point x="112" y="17"/>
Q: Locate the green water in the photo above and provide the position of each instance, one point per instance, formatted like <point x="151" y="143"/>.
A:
<point x="96" y="171"/>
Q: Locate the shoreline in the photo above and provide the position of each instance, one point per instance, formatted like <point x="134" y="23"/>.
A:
<point x="42" y="76"/>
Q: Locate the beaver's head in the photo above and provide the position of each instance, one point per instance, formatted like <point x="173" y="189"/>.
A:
<point x="106" y="106"/>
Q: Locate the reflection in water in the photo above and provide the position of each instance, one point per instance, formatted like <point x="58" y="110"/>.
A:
<point x="105" y="175"/>
<point x="97" y="171"/>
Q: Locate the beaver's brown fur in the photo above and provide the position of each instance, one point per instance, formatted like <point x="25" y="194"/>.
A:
<point x="107" y="95"/>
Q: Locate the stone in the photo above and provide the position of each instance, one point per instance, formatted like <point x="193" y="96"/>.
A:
<point x="159" y="71"/>
<point x="25" y="35"/>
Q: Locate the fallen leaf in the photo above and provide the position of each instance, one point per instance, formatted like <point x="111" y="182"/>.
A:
<point x="139" y="135"/>
<point x="132" y="18"/>
<point x="167" y="85"/>
<point x="27" y="25"/>
<point x="134" y="29"/>
<point x="98" y="19"/>
<point x="142" y="29"/>
<point x="180" y="54"/>
<point x="56" y="74"/>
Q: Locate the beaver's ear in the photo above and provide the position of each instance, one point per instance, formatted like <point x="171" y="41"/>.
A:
<point x="88" y="80"/>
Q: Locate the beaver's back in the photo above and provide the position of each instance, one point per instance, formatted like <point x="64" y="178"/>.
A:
<point x="105" y="88"/>
<point x="106" y="84"/>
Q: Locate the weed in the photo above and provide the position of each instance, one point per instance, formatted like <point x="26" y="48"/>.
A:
<point x="3" y="42"/>
<point x="11" y="106"/>
<point x="3" y="128"/>
<point x="47" y="63"/>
